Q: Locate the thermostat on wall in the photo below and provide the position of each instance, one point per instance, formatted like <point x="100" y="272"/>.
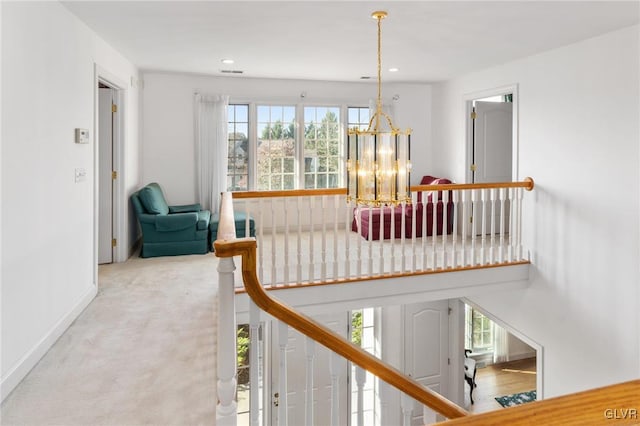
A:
<point x="82" y="136"/>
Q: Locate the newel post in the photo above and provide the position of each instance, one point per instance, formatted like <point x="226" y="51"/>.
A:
<point x="226" y="409"/>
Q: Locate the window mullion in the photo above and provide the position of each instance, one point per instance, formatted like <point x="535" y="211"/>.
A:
<point x="253" y="147"/>
<point x="300" y="145"/>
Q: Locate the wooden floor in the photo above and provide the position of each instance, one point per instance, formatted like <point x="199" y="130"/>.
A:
<point x="501" y="379"/>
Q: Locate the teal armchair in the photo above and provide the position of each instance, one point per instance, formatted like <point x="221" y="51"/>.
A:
<point x="170" y="230"/>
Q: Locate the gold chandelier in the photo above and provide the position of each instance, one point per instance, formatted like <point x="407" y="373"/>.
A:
<point x="378" y="158"/>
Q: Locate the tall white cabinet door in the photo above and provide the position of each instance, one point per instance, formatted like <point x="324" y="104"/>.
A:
<point x="426" y="336"/>
<point x="296" y="375"/>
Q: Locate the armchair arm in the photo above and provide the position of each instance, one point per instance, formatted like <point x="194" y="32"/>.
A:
<point x="147" y="218"/>
<point x="185" y="208"/>
<point x="176" y="222"/>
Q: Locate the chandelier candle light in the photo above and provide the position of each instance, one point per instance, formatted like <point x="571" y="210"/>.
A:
<point x="378" y="158"/>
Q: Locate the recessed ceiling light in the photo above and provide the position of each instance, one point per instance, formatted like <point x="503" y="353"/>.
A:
<point x="365" y="77"/>
<point x="227" y="61"/>
<point x="394" y="69"/>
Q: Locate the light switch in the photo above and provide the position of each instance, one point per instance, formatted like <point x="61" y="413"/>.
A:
<point x="81" y="175"/>
<point x="82" y="136"/>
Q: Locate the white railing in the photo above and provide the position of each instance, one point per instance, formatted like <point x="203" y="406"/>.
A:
<point x="310" y="236"/>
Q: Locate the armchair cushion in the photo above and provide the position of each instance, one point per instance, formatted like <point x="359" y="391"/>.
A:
<point x="176" y="222"/>
<point x="186" y="208"/>
<point x="153" y="200"/>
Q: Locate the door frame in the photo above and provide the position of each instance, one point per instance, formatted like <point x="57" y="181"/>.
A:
<point x="512" y="330"/>
<point x="468" y="106"/>
<point x="102" y="75"/>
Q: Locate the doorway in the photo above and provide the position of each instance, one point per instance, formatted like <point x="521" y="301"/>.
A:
<point x="107" y="108"/>
<point x="492" y="135"/>
<point x="109" y="245"/>
<point x="508" y="362"/>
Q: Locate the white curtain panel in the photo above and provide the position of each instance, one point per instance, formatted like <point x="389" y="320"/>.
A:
<point x="500" y="344"/>
<point x="211" y="148"/>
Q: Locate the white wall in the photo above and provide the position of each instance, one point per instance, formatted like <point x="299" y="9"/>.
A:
<point x="48" y="262"/>
<point x="168" y="120"/>
<point x="579" y="133"/>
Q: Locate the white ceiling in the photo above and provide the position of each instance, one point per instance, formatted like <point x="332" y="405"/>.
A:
<point x="323" y="40"/>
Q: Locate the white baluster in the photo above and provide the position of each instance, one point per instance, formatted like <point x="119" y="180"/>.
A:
<point x="247" y="219"/>
<point x="370" y="242"/>
<point x="413" y="234"/>
<point x="359" y="246"/>
<point x="501" y="253"/>
<point x="434" y="228"/>
<point x="465" y="225"/>
<point x="299" y="241"/>
<point x="336" y="207"/>
<point x="286" y="240"/>
<point x="381" y="241"/>
<point x="260" y="238"/>
<point x="428" y="415"/>
<point x="403" y="224"/>
<point x="334" y="368"/>
<point x="254" y="371"/>
<point x="492" y="250"/>
<point x="310" y="349"/>
<point x="311" y="232"/>
<point x="445" y="227"/>
<point x="474" y="230"/>
<point x="227" y="409"/>
<point x="392" y="239"/>
<point x="283" y="340"/>
<point x="512" y="215"/>
<point x="519" y="253"/>
<point x="361" y="380"/>
<point x="347" y="236"/>
<point x="484" y="226"/>
<point x="323" y="253"/>
<point x="454" y="236"/>
<point x="406" y="403"/>
<point x="424" y="202"/>
<point x="274" y="281"/>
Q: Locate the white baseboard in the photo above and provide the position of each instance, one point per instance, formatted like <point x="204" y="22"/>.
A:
<point x="522" y="355"/>
<point x="31" y="358"/>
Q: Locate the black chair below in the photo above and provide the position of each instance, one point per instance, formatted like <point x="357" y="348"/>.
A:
<point x="470" y="369"/>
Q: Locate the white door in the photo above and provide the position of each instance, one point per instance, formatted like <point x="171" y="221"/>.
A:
<point x="493" y="146"/>
<point x="426" y="349"/>
<point x="493" y="142"/>
<point x="296" y="375"/>
<point x="105" y="179"/>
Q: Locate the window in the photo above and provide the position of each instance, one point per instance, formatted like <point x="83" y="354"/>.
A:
<point x="322" y="147"/>
<point x="363" y="334"/>
<point x="358" y="117"/>
<point x="478" y="331"/>
<point x="276" y="147"/>
<point x="238" y="156"/>
<point x="282" y="147"/>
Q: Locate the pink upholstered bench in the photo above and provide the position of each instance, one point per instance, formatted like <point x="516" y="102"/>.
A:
<point x="420" y="208"/>
<point x="375" y="222"/>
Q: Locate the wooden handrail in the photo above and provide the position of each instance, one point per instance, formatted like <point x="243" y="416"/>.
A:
<point x="527" y="184"/>
<point x="615" y="404"/>
<point x="246" y="247"/>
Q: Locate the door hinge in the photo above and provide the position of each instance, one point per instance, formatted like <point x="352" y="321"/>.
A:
<point x="471" y="219"/>
<point x="473" y="167"/>
<point x="276" y="399"/>
<point x="114" y="242"/>
<point x="114" y="175"/>
<point x="449" y="311"/>
<point x="114" y="108"/>
<point x="448" y="361"/>
<point x="474" y="115"/>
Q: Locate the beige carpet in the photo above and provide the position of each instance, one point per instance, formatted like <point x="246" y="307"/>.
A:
<point x="142" y="353"/>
